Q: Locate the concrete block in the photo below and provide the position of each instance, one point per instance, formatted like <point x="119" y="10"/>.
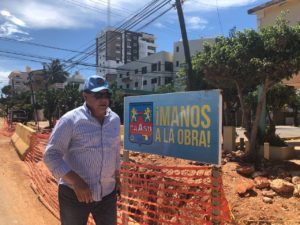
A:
<point x="21" y="139"/>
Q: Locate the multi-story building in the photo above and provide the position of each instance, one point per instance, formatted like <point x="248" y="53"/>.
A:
<point x="115" y="48"/>
<point x="195" y="47"/>
<point x="76" y="79"/>
<point x="18" y="81"/>
<point x="268" y="12"/>
<point x="157" y="69"/>
<point x="147" y="74"/>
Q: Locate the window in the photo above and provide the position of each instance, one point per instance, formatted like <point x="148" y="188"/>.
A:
<point x="154" y="67"/>
<point x="136" y="84"/>
<point x="144" y="69"/>
<point x="145" y="82"/>
<point x="177" y="63"/>
<point x="136" y="71"/>
<point x="151" y="48"/>
<point x="127" y="74"/>
<point x="154" y="81"/>
<point x="120" y="75"/>
<point x="159" y="66"/>
<point x="127" y="86"/>
<point x="121" y="86"/>
<point x="177" y="48"/>
<point x="169" y="66"/>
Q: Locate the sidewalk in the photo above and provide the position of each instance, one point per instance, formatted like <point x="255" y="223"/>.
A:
<point x="291" y="135"/>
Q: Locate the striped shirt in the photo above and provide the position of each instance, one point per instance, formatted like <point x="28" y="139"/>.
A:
<point x="81" y="144"/>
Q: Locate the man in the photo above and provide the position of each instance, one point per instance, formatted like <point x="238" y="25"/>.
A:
<point x="84" y="153"/>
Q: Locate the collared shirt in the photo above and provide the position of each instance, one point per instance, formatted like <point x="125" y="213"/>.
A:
<point x="80" y="143"/>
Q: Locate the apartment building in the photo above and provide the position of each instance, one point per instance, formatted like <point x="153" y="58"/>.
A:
<point x="147" y="74"/>
<point x="18" y="81"/>
<point x="266" y="15"/>
<point x="115" y="48"/>
<point x="195" y="47"/>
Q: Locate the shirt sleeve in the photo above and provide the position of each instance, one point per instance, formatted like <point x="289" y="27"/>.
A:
<point x="118" y="163"/>
<point x="57" y="147"/>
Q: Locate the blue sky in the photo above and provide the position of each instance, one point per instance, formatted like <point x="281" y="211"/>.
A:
<point x="73" y="25"/>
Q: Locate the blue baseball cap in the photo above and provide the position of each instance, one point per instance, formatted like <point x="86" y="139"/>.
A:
<point x="95" y="83"/>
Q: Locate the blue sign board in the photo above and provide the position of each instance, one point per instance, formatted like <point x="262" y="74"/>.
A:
<point x="184" y="125"/>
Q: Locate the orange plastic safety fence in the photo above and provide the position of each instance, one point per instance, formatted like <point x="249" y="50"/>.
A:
<point x="43" y="182"/>
<point x="163" y="195"/>
<point x="151" y="195"/>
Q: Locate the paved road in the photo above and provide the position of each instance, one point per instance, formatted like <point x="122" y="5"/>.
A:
<point x="19" y="205"/>
<point x="282" y="131"/>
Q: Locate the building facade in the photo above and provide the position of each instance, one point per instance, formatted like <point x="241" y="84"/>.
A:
<point x="18" y="81"/>
<point x="268" y="12"/>
<point x="195" y="47"/>
<point x="147" y="74"/>
<point x="115" y="48"/>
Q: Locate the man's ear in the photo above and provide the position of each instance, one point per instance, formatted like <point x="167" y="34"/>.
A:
<point x="84" y="95"/>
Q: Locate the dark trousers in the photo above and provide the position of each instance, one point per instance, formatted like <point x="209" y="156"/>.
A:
<point x="73" y="212"/>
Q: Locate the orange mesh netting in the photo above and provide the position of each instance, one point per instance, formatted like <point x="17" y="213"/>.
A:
<point x="151" y="195"/>
<point x="172" y="195"/>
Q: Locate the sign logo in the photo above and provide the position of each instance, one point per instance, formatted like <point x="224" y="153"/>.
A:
<point x="141" y="123"/>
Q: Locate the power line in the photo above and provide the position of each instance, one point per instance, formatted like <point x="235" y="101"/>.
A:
<point x="219" y="18"/>
<point x="148" y="10"/>
<point x="40" y="45"/>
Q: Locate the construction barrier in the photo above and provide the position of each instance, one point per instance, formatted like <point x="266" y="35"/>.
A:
<point x="165" y="195"/>
<point x="151" y="195"/>
<point x="21" y="139"/>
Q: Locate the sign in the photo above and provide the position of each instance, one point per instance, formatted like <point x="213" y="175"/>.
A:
<point x="184" y="125"/>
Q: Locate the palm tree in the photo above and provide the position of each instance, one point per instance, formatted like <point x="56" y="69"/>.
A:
<point x="55" y="73"/>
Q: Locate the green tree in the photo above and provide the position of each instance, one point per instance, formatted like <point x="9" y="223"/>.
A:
<point x="250" y="58"/>
<point x="49" y="100"/>
<point x="7" y="90"/>
<point x="70" y="98"/>
<point x="54" y="73"/>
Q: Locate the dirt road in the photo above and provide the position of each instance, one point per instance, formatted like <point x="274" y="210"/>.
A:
<point x="18" y="203"/>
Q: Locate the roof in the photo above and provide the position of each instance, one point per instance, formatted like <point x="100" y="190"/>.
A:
<point x="265" y="5"/>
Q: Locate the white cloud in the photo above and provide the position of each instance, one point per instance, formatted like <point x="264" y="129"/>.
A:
<point x="4" y="78"/>
<point x="11" y="25"/>
<point x="159" y="25"/>
<point x="67" y="14"/>
<point x="204" y="5"/>
<point x="12" y="18"/>
<point x="8" y="29"/>
<point x="196" y="23"/>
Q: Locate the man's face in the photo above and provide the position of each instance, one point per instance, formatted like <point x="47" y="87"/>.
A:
<point x="98" y="102"/>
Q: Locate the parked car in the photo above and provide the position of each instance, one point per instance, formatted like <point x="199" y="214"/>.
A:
<point x="17" y="116"/>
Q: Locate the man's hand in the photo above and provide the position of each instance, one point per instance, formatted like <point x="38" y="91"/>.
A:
<point x="118" y="183"/>
<point x="81" y="188"/>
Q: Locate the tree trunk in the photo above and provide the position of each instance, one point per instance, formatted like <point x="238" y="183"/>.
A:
<point x="296" y="123"/>
<point x="254" y="129"/>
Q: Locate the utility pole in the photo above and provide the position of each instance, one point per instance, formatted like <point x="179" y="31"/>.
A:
<point x="33" y="101"/>
<point x="190" y="86"/>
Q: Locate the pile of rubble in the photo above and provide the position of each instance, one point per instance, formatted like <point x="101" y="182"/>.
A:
<point x="272" y="179"/>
